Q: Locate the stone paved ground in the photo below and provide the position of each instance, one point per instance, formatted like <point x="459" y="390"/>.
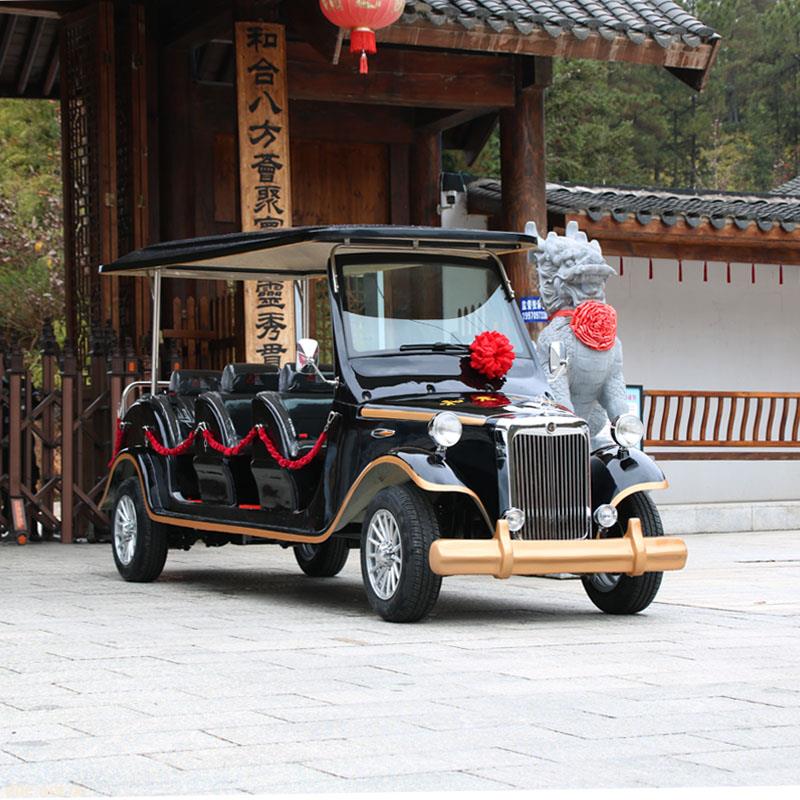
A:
<point x="235" y="673"/>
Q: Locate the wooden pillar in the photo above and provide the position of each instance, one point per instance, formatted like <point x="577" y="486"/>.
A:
<point x="522" y="159"/>
<point x="426" y="166"/>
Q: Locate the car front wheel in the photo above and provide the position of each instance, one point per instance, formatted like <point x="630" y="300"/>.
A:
<point x="139" y="544"/>
<point x="396" y="536"/>
<point x="623" y="594"/>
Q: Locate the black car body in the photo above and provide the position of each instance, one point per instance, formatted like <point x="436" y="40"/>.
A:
<point x="405" y="305"/>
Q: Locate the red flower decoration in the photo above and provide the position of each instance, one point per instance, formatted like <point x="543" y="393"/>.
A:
<point x="595" y="324"/>
<point x="491" y="354"/>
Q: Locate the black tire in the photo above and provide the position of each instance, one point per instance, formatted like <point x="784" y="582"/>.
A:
<point x="417" y="587"/>
<point x="323" y="560"/>
<point x="145" y="561"/>
<point x="628" y="595"/>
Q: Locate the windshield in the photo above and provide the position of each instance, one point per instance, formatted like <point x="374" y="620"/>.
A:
<point x="440" y="306"/>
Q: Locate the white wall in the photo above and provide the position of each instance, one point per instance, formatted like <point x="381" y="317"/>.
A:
<point x="715" y="336"/>
<point x="712" y="335"/>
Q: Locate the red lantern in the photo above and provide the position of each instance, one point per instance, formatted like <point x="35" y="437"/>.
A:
<point x="363" y="18"/>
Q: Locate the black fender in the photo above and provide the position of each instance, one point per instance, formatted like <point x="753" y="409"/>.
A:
<point x="618" y="472"/>
<point x="150" y="471"/>
<point x="427" y="472"/>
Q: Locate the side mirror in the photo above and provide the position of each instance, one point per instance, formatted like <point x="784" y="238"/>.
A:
<point x="558" y="361"/>
<point x="307" y="355"/>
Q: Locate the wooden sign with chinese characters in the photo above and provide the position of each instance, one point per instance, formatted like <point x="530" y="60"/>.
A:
<point x="264" y="179"/>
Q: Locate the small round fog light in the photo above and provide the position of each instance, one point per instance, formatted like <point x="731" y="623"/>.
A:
<point x="515" y="517"/>
<point x="627" y="430"/>
<point x="605" y="516"/>
<point x="445" y="429"/>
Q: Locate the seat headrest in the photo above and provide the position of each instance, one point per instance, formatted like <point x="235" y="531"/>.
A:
<point x="249" y="378"/>
<point x="192" y="382"/>
<point x="294" y="381"/>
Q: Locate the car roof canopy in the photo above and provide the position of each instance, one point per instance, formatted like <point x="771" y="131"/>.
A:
<point x="300" y="252"/>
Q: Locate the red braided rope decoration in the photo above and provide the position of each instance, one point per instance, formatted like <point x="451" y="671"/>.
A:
<point x="288" y="463"/>
<point x="209" y="439"/>
<point x="179" y="450"/>
<point x="119" y="438"/>
<point x="258" y="430"/>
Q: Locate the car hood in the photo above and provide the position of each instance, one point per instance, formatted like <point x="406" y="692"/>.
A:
<point x="486" y="405"/>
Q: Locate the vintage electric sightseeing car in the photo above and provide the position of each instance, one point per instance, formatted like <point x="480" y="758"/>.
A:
<point x="401" y="448"/>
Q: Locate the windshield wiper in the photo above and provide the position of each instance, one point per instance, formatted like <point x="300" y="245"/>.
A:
<point x="437" y="347"/>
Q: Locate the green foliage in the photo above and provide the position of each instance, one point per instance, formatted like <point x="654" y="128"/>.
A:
<point x="31" y="227"/>
<point x="627" y="124"/>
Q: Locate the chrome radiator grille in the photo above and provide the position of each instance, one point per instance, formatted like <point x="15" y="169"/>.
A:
<point x="550" y="482"/>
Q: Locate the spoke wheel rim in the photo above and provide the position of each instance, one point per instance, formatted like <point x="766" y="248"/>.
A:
<point x="308" y="551"/>
<point x="125" y="530"/>
<point x="384" y="554"/>
<point x="605" y="581"/>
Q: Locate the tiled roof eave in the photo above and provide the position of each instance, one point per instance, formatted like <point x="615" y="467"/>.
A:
<point x="745" y="212"/>
<point x="662" y="22"/>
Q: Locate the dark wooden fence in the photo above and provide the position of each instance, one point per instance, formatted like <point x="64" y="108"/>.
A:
<point x="57" y="430"/>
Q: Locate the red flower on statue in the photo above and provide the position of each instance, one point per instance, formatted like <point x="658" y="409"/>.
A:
<point x="595" y="324"/>
<point x="491" y="354"/>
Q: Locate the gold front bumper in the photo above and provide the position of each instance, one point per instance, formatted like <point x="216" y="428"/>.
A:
<point x="502" y="556"/>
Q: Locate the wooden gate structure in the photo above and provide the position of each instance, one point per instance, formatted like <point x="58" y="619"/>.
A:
<point x="152" y="151"/>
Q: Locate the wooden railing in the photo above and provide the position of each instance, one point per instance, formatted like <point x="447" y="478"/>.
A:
<point x="56" y="435"/>
<point x="722" y="426"/>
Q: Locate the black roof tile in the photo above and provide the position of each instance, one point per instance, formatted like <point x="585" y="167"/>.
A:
<point x="661" y="20"/>
<point x="670" y="205"/>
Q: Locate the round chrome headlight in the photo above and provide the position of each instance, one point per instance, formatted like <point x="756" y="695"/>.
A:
<point x="627" y="430"/>
<point x="605" y="516"/>
<point x="445" y="429"/>
<point x="515" y="517"/>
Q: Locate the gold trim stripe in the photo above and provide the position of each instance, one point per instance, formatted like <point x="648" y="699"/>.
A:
<point x="639" y="487"/>
<point x="244" y="530"/>
<point x="418" y="416"/>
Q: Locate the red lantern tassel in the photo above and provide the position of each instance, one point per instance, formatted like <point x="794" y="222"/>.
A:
<point x="680" y="270"/>
<point x="650" y="268"/>
<point x="752" y="273"/>
<point x="621" y="267"/>
<point x="362" y="40"/>
<point x="705" y="272"/>
<point x="780" y="275"/>
<point x="728" y="273"/>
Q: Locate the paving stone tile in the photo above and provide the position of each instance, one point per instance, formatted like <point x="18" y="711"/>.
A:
<point x="80" y="747"/>
<point x="241" y="675"/>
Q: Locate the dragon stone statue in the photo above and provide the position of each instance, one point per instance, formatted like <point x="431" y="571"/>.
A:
<point x="572" y="279"/>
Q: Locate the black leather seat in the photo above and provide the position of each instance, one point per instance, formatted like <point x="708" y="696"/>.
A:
<point x="280" y="488"/>
<point x="185" y="386"/>
<point x="307" y="398"/>
<point x="228" y="415"/>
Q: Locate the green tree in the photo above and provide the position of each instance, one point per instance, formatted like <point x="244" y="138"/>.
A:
<point x="31" y="238"/>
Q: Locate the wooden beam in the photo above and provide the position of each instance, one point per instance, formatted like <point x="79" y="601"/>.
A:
<point x="201" y="28"/>
<point x="50" y="11"/>
<point x="453" y="36"/>
<point x="399" y="184"/>
<point x="351" y="122"/>
<point x="403" y="77"/>
<point x="426" y="166"/>
<point x="30" y="56"/>
<point x="307" y="22"/>
<point x="5" y="44"/>
<point x="522" y="162"/>
<point x="52" y="70"/>
<point x="440" y="120"/>
<point x="682" y="233"/>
